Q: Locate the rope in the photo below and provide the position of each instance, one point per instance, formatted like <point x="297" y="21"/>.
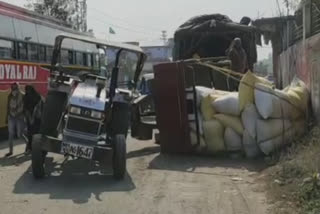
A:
<point x="225" y="72"/>
<point x="231" y="74"/>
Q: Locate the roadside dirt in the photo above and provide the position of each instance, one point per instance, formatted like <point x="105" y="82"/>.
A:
<point x="155" y="183"/>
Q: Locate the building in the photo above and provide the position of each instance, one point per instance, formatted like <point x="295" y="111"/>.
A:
<point x="157" y="54"/>
<point x="296" y="48"/>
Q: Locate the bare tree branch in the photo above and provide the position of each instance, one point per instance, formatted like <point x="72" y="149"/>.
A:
<point x="64" y="10"/>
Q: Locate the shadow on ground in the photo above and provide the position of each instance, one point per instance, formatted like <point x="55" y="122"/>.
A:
<point x="14" y="160"/>
<point x="144" y="152"/>
<point x="75" y="180"/>
<point x="17" y="158"/>
<point x="5" y="145"/>
<point x="186" y="163"/>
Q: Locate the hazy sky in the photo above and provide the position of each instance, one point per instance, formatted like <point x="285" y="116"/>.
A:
<point x="143" y="20"/>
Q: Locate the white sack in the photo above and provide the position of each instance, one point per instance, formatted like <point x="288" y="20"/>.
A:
<point x="213" y="134"/>
<point x="249" y="118"/>
<point x="228" y="104"/>
<point x="273" y="103"/>
<point x="268" y="129"/>
<point x="232" y="140"/>
<point x="250" y="145"/>
<point x="202" y="92"/>
<point x="293" y="133"/>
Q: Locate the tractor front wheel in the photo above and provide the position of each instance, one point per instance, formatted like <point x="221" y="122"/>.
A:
<point x="37" y="157"/>
<point x="119" y="157"/>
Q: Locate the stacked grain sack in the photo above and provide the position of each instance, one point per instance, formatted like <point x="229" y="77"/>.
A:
<point x="213" y="128"/>
<point x="211" y="131"/>
<point x="257" y="119"/>
<point x="201" y="93"/>
<point x="221" y="125"/>
<point x="283" y="114"/>
<point x="249" y="112"/>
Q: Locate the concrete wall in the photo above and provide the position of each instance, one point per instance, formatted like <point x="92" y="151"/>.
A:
<point x="303" y="60"/>
<point x="294" y="62"/>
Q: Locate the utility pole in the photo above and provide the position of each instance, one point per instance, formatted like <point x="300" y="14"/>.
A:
<point x="279" y="8"/>
<point x="164" y="36"/>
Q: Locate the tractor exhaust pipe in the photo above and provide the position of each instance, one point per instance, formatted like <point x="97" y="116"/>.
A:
<point x="100" y="85"/>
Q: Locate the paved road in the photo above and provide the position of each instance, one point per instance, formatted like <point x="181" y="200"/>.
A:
<point x="155" y="184"/>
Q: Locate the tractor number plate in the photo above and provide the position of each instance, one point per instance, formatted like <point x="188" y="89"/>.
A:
<point x="77" y="150"/>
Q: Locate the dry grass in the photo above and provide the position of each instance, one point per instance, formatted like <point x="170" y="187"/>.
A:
<point x="292" y="193"/>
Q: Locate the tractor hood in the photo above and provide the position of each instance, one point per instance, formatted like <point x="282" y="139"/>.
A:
<point x="84" y="95"/>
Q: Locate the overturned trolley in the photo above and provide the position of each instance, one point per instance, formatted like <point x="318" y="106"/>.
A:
<point x="87" y="113"/>
<point x="200" y="46"/>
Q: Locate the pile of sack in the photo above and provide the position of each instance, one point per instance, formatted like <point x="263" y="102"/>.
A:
<point x="256" y="120"/>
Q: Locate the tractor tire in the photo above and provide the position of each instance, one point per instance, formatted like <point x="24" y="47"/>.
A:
<point x="119" y="157"/>
<point x="120" y="119"/>
<point x="53" y="109"/>
<point x="38" y="158"/>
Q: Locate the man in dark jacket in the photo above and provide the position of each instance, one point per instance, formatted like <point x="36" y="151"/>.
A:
<point x="32" y="99"/>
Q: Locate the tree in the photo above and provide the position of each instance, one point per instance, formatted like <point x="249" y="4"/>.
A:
<point x="72" y="12"/>
<point x="291" y="5"/>
<point x="265" y="66"/>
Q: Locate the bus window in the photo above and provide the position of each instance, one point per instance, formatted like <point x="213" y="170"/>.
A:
<point x="95" y="60"/>
<point x="85" y="61"/>
<point x="6" y="49"/>
<point x="64" y="57"/>
<point x="79" y="58"/>
<point x="33" y="52"/>
<point x="49" y="54"/>
<point x="22" y="50"/>
<point x="70" y="57"/>
<point x="42" y="53"/>
<point x="89" y="59"/>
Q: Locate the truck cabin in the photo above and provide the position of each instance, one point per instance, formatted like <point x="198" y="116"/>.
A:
<point x="210" y="36"/>
<point x="207" y="38"/>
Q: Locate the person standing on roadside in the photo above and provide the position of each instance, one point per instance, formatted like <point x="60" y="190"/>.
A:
<point x="15" y="116"/>
<point x="238" y="56"/>
<point x="239" y="61"/>
<point x="30" y="101"/>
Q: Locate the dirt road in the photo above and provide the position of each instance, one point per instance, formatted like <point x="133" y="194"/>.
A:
<point x="155" y="184"/>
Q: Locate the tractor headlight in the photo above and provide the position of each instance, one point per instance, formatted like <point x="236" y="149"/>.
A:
<point x="75" y="110"/>
<point x="96" y="114"/>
